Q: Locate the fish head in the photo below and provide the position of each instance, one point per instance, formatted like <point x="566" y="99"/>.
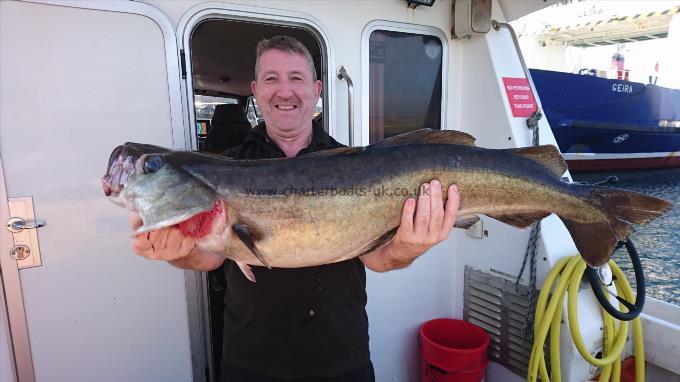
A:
<point x="140" y="178"/>
<point x="128" y="160"/>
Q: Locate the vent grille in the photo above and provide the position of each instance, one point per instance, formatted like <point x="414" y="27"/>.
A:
<point x="504" y="310"/>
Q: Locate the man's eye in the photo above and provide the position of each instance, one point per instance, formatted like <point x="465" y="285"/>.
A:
<point x="296" y="78"/>
<point x="270" y="79"/>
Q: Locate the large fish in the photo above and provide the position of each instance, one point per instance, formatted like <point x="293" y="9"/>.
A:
<point x="337" y="204"/>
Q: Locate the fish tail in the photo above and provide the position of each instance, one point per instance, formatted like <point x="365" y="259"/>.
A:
<point x="597" y="240"/>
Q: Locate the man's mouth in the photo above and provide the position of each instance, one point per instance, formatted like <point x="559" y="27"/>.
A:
<point x="286" y="107"/>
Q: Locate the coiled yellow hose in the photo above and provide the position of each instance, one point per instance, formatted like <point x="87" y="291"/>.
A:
<point x="570" y="271"/>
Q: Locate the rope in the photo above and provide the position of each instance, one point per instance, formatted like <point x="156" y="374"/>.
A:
<point x="532" y="123"/>
<point x="530" y="253"/>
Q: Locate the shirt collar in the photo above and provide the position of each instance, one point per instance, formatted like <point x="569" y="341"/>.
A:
<point x="320" y="139"/>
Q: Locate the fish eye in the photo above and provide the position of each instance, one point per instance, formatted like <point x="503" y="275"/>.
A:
<point x="152" y="163"/>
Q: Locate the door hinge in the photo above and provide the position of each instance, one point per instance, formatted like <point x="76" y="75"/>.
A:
<point x="182" y="58"/>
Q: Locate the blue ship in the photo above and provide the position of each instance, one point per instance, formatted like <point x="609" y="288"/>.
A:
<point x="604" y="124"/>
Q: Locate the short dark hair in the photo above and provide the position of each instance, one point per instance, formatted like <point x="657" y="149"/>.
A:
<point x="287" y="44"/>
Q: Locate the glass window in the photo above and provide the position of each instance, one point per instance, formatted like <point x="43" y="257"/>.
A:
<point x="205" y="108"/>
<point x="405" y="83"/>
<point x="205" y="105"/>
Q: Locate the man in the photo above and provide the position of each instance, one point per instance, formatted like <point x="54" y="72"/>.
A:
<point x="306" y="324"/>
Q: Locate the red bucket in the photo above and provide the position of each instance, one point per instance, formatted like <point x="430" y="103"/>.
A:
<point x="452" y="350"/>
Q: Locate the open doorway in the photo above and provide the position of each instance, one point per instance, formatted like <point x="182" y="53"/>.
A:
<point x="222" y="66"/>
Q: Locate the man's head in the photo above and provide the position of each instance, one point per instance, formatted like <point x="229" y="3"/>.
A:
<point x="285" y="86"/>
<point x="285" y="44"/>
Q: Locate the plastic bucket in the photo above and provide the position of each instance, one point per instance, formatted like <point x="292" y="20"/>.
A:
<point x="452" y="350"/>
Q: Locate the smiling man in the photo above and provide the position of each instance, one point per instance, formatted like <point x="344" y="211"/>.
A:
<point x="286" y="90"/>
<point x="304" y="324"/>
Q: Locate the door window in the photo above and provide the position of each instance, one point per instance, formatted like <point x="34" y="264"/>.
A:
<point x="405" y="83"/>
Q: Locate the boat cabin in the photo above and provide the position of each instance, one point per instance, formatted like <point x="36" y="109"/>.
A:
<point x="78" y="78"/>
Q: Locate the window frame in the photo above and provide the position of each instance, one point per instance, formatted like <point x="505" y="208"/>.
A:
<point x="393" y="26"/>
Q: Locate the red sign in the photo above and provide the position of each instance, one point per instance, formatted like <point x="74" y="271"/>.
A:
<point x="522" y="102"/>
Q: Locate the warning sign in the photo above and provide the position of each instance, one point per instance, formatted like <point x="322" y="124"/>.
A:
<point x="522" y="102"/>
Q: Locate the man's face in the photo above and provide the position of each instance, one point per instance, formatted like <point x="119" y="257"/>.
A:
<point x="285" y="91"/>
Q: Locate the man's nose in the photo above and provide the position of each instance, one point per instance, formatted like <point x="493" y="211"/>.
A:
<point x="285" y="89"/>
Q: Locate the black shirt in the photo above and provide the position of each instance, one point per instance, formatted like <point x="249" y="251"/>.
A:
<point x="299" y="322"/>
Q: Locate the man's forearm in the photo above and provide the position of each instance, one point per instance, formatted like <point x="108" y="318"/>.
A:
<point x="387" y="258"/>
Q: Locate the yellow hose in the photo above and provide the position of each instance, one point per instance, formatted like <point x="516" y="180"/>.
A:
<point x="548" y="319"/>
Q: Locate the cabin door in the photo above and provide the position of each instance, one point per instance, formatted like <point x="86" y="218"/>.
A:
<point x="76" y="83"/>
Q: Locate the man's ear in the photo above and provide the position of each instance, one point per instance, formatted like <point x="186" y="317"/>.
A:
<point x="319" y="88"/>
<point x="253" y="88"/>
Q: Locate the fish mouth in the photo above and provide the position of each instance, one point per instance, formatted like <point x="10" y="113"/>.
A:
<point x="121" y="167"/>
<point x="125" y="161"/>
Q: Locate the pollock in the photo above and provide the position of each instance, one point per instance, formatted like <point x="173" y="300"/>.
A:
<point x="337" y="204"/>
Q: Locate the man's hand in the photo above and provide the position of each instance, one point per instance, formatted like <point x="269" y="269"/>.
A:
<point x="163" y="244"/>
<point x="424" y="223"/>
<point x="171" y="245"/>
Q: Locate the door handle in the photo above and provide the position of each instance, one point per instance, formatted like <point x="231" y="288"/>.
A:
<point x="24" y="228"/>
<point x="342" y="75"/>
<point x="16" y="225"/>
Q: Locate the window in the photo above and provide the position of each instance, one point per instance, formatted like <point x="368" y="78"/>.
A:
<point x="205" y="105"/>
<point x="205" y="109"/>
<point x="405" y="83"/>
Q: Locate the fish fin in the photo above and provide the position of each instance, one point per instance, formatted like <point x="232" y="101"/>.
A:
<point x="596" y="240"/>
<point x="379" y="242"/>
<point x="243" y="233"/>
<point x="522" y="220"/>
<point x="335" y="151"/>
<point x="547" y="155"/>
<point x="465" y="222"/>
<point x="424" y="136"/>
<point x="247" y="271"/>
